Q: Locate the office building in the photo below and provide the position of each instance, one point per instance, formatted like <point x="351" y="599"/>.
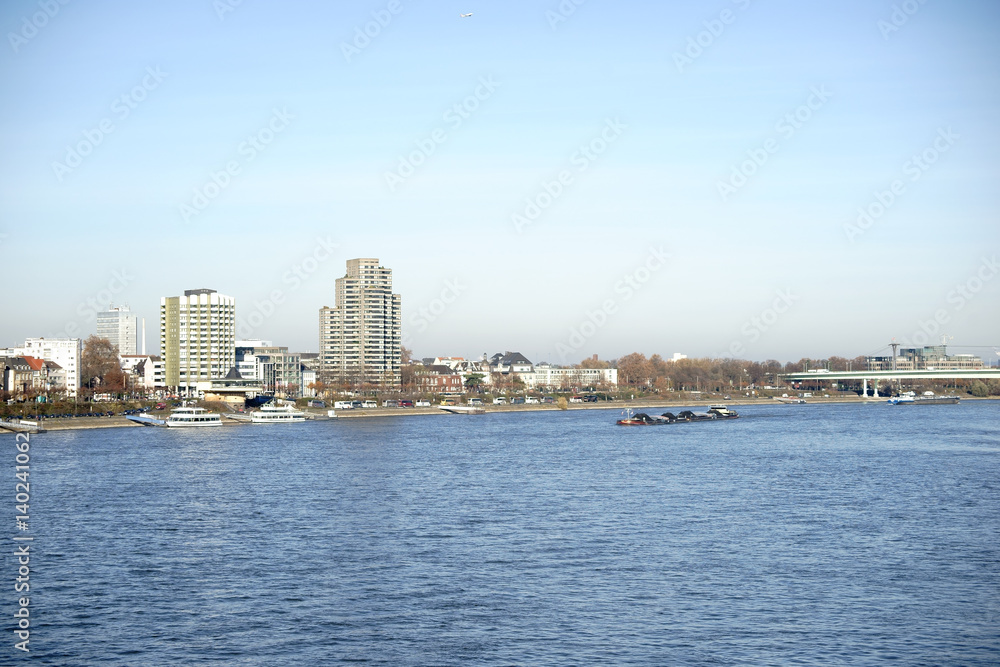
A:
<point x="119" y="326"/>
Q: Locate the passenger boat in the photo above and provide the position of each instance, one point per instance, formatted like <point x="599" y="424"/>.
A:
<point x="277" y="414"/>
<point x="192" y="417"/>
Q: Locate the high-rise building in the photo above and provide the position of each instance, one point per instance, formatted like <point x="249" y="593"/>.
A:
<point x="197" y="337"/>
<point x="359" y="338"/>
<point x="120" y="326"/>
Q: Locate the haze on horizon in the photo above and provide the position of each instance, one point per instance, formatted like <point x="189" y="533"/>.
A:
<point x="760" y="180"/>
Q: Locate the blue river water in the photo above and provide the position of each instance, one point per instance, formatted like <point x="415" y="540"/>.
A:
<point x="838" y="534"/>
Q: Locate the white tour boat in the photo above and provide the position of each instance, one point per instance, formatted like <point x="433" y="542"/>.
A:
<point x="185" y="416"/>
<point x="277" y="414"/>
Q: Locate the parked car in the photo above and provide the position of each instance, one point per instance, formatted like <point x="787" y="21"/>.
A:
<point x="517" y="400"/>
<point x="423" y="403"/>
<point x="406" y="403"/>
<point x="531" y="400"/>
<point x="576" y="399"/>
<point x="369" y="404"/>
<point x="548" y="399"/>
<point x="390" y="404"/>
<point x="500" y="400"/>
<point x="343" y="405"/>
<point x="475" y="401"/>
<point x="590" y="399"/>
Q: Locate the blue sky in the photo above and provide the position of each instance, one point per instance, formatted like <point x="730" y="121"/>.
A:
<point x="819" y="108"/>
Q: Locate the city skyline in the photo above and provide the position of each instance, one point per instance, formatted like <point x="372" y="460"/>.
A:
<point x="747" y="179"/>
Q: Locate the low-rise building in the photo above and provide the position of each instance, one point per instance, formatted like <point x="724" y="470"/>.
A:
<point x="274" y="367"/>
<point x="147" y="371"/>
<point x="65" y="352"/>
<point x="439" y="379"/>
<point x="547" y="376"/>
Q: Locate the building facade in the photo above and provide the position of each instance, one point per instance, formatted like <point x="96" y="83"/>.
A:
<point x="932" y="357"/>
<point x="197" y="338"/>
<point x="359" y="338"/>
<point x="146" y="370"/>
<point x="65" y="352"/>
<point x="274" y="367"/>
<point x="121" y="327"/>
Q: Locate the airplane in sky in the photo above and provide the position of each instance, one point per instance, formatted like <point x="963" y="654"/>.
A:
<point x="465" y="16"/>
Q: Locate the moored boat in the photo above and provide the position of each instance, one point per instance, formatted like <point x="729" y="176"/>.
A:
<point x="277" y="414"/>
<point x="192" y="417"/>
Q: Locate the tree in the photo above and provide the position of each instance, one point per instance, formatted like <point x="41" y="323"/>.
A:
<point x="98" y="361"/>
<point x="979" y="389"/>
<point x="594" y="362"/>
<point x="473" y="380"/>
<point x="634" y="369"/>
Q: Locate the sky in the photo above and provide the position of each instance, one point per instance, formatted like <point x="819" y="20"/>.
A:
<point x="732" y="178"/>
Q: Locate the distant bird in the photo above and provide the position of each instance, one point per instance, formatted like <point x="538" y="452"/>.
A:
<point x="465" y="16"/>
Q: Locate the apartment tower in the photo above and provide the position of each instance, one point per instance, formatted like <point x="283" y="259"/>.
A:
<point x="197" y="337"/>
<point x="359" y="338"/>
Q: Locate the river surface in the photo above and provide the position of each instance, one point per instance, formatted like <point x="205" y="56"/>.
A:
<point x="837" y="534"/>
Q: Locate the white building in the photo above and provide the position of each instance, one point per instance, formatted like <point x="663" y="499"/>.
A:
<point x="359" y="338"/>
<point x="546" y="376"/>
<point x="64" y="351"/>
<point x="146" y="369"/>
<point x="119" y="326"/>
<point x="197" y="337"/>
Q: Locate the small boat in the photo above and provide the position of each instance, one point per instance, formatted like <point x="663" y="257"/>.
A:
<point x="192" y="417"/>
<point x="277" y="414"/>
<point x="790" y="401"/>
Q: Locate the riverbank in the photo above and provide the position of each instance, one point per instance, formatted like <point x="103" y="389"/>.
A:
<point x="79" y="423"/>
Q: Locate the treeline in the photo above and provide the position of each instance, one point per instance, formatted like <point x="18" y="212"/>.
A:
<point x="635" y="370"/>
